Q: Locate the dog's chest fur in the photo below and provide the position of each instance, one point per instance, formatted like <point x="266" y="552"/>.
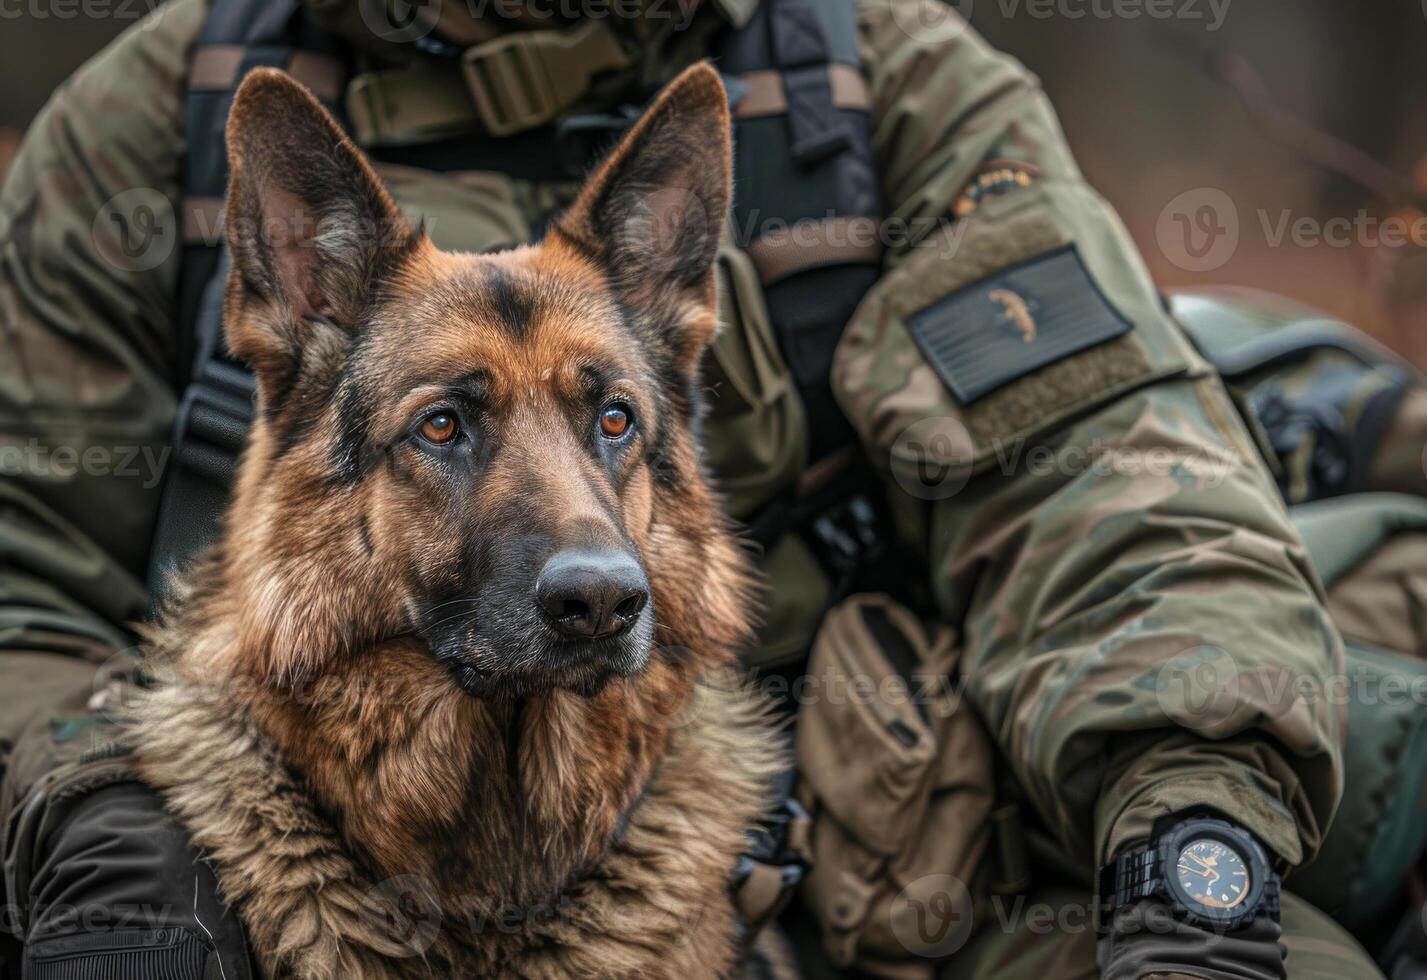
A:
<point x="648" y="898"/>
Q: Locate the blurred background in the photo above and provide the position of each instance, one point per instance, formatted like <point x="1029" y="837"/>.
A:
<point x="1289" y="129"/>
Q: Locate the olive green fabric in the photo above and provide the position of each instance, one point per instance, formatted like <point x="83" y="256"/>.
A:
<point x="1400" y="463"/>
<point x="1379" y="831"/>
<point x="1378" y="604"/>
<point x="1371" y="550"/>
<point x="1118" y="533"/>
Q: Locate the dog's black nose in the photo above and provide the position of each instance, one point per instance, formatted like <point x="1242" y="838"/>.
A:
<point x="592" y="594"/>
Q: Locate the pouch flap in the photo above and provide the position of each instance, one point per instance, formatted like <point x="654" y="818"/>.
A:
<point x="868" y="730"/>
<point x="998" y="328"/>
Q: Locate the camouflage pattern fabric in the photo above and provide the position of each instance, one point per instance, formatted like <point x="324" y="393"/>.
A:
<point x="1131" y="595"/>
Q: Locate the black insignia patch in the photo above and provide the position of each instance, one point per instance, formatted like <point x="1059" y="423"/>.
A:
<point x="1024" y="317"/>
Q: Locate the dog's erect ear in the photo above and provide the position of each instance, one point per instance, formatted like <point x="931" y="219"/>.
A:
<point x="653" y="213"/>
<point x="310" y="227"/>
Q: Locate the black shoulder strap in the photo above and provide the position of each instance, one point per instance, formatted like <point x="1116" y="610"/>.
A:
<point x="806" y="202"/>
<point x="217" y="404"/>
<point x="238" y="36"/>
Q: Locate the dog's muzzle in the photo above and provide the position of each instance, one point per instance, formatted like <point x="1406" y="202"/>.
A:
<point x="591" y="595"/>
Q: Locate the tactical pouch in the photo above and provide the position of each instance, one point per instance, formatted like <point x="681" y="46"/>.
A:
<point x="758" y="444"/>
<point x="896" y="774"/>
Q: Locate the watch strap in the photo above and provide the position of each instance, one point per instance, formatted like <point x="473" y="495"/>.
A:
<point x="1269" y="903"/>
<point x="1132" y="876"/>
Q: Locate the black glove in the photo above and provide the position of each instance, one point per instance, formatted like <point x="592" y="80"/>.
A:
<point x="1147" y="940"/>
<point x="121" y="894"/>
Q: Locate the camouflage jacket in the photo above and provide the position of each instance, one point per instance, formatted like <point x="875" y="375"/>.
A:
<point x="1090" y="514"/>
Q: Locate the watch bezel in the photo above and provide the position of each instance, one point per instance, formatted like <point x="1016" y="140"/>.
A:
<point x="1168" y="846"/>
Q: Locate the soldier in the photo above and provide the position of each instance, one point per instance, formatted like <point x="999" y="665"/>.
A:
<point x="943" y="372"/>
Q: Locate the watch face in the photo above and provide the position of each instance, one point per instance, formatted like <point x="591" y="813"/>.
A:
<point x="1213" y="874"/>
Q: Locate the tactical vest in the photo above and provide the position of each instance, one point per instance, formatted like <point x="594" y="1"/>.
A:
<point x="805" y="217"/>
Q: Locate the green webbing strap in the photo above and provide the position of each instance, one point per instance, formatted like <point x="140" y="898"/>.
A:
<point x="508" y="85"/>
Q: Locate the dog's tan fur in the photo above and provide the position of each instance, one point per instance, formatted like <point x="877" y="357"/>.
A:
<point x="368" y="816"/>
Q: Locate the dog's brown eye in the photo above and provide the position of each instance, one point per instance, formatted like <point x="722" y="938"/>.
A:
<point x="614" y="421"/>
<point x="439" y="428"/>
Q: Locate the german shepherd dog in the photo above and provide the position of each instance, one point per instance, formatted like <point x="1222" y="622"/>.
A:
<point x="443" y="700"/>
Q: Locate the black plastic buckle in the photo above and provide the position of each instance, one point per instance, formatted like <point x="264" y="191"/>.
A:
<point x="582" y="139"/>
<point x="1288" y="422"/>
<point x="846" y="535"/>
<point x="770" y="843"/>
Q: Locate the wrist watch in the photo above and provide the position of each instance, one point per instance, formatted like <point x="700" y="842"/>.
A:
<point x="1209" y="872"/>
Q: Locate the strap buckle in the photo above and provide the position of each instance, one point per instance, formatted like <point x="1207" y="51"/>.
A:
<point x="775" y="863"/>
<point x="580" y="140"/>
<point x="403" y="106"/>
<point x="526" y="79"/>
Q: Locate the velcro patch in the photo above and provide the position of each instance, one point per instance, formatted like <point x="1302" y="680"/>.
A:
<point x="1028" y="315"/>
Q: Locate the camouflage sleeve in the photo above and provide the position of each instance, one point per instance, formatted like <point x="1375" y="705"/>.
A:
<point x="88" y="261"/>
<point x="1142" y="630"/>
